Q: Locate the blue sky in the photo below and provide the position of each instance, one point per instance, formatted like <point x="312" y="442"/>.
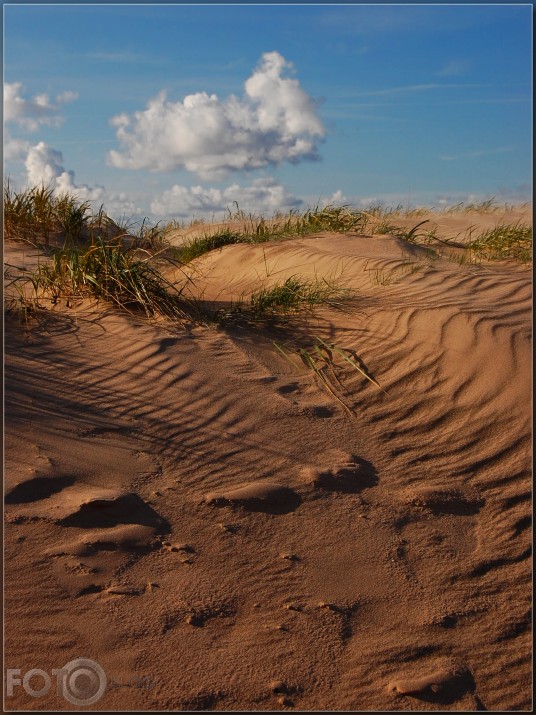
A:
<point x="177" y="111"/>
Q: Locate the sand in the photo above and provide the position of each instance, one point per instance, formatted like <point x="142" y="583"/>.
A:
<point x="216" y="531"/>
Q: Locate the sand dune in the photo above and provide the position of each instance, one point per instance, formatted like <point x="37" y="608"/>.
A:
<point x="186" y="506"/>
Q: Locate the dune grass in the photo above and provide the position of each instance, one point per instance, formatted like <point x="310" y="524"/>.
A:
<point x="104" y="271"/>
<point x="326" y="361"/>
<point x="106" y="260"/>
<point x="503" y="242"/>
<point x="295" y="295"/>
<point x="199" y="246"/>
<point x="37" y="214"/>
<point x="257" y="229"/>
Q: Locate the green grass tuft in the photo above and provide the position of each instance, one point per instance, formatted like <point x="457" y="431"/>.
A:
<point x="199" y="246"/>
<point x="105" y="271"/>
<point x="295" y="295"/>
<point x="326" y="361"/>
<point x="506" y="241"/>
<point x="37" y="214"/>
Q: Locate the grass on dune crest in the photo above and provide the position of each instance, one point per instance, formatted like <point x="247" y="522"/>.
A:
<point x="105" y="271"/>
<point x="38" y="214"/>
<point x="257" y="229"/>
<point x="103" y="259"/>
<point x="106" y="260"/>
<point x="505" y="241"/>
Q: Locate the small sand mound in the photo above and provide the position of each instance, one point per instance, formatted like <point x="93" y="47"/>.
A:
<point x="118" y="538"/>
<point x="258" y="496"/>
<point x="37" y="488"/>
<point x="83" y="505"/>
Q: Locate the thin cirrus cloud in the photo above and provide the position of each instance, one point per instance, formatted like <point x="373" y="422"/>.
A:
<point x="454" y="68"/>
<point x="124" y="58"/>
<point x="409" y="88"/>
<point x="274" y="122"/>
<point x="478" y="153"/>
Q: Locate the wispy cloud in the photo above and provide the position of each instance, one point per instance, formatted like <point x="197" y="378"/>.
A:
<point x="497" y="100"/>
<point x="475" y="154"/>
<point x="373" y="21"/>
<point x="124" y="57"/>
<point x="410" y="88"/>
<point x="454" y="68"/>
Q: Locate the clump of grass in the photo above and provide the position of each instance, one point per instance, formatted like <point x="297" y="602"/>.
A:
<point x="411" y="235"/>
<point x="384" y="226"/>
<point x="38" y="214"/>
<point x="340" y="219"/>
<point x="325" y="361"/>
<point x="295" y="295"/>
<point x="484" y="206"/>
<point x="106" y="271"/>
<point x="505" y="241"/>
<point x="199" y="246"/>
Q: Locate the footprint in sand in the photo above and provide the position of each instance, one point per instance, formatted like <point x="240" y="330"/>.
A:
<point x="438" y="530"/>
<point x="270" y="497"/>
<point x="69" y="502"/>
<point x="446" y="683"/>
<point x="341" y="472"/>
<point x="107" y="524"/>
<point x="305" y="400"/>
<point x="445" y="501"/>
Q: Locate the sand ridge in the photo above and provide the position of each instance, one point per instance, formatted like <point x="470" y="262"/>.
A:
<point x="187" y="506"/>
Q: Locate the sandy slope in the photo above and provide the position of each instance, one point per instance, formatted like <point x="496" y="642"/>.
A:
<point x="185" y="507"/>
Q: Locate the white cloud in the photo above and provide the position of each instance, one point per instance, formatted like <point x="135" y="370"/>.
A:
<point x="44" y="166"/>
<point x="31" y="113"/>
<point x="337" y="199"/>
<point x="264" y="196"/>
<point x="14" y="149"/>
<point x="275" y="121"/>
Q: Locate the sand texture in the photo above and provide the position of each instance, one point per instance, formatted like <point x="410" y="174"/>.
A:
<point x="186" y="506"/>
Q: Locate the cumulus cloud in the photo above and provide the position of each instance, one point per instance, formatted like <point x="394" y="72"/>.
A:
<point x="31" y="113"/>
<point x="274" y="121"/>
<point x="14" y="149"/>
<point x="338" y="198"/>
<point x="262" y="196"/>
<point x="44" y="166"/>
